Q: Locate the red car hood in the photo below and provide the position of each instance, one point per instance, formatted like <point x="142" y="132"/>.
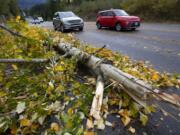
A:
<point x="129" y="18"/>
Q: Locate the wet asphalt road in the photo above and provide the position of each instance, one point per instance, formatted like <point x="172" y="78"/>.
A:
<point x="157" y="43"/>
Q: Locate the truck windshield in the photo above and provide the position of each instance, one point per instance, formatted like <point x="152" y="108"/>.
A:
<point x="67" y="14"/>
<point x="120" y="13"/>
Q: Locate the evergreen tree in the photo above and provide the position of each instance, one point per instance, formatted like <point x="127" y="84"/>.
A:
<point x="9" y="7"/>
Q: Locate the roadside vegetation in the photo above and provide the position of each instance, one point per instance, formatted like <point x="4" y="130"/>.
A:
<point x="53" y="97"/>
<point x="9" y="8"/>
<point x="151" y="10"/>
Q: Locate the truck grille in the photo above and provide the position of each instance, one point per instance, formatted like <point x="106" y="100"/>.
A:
<point x="74" y="21"/>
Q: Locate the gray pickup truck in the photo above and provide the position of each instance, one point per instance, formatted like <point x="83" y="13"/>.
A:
<point x="66" y="21"/>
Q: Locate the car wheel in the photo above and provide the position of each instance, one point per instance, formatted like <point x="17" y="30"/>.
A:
<point x="81" y="29"/>
<point x="98" y="25"/>
<point x="61" y="28"/>
<point x="55" y="27"/>
<point x="133" y="29"/>
<point x="118" y="27"/>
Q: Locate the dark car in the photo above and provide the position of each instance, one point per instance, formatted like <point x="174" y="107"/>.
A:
<point x="118" y="19"/>
<point x="67" y="20"/>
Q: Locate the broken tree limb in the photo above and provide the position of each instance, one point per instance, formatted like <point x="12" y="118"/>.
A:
<point x="109" y="71"/>
<point x="134" y="85"/>
<point x="10" y="31"/>
<point x="34" y="60"/>
<point x="23" y="60"/>
<point x="94" y="53"/>
<point x="97" y="101"/>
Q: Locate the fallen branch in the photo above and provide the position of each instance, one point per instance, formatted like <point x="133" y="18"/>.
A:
<point x="10" y="31"/>
<point x="97" y="101"/>
<point x="134" y="85"/>
<point x="23" y="60"/>
<point x="99" y="50"/>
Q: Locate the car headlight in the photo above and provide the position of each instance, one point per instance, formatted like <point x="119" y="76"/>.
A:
<point x="82" y="21"/>
<point x="66" y="22"/>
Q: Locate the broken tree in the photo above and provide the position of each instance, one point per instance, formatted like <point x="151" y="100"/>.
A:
<point x="135" y="87"/>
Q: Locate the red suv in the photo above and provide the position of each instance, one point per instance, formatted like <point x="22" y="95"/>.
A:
<point x="118" y="19"/>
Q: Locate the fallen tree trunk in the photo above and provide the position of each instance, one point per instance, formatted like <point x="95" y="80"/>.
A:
<point x="133" y="85"/>
<point x="23" y="60"/>
<point x="108" y="71"/>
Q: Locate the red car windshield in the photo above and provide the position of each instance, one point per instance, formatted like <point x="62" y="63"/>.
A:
<point x="120" y="13"/>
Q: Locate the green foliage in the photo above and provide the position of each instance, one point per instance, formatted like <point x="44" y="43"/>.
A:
<point x="9" y="7"/>
<point x="153" y="9"/>
<point x="48" y="9"/>
<point x="146" y="9"/>
<point x="89" y="9"/>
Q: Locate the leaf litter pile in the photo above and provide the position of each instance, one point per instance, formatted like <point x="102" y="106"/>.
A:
<point x="52" y="97"/>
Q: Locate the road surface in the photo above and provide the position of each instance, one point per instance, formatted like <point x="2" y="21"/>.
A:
<point x="157" y="43"/>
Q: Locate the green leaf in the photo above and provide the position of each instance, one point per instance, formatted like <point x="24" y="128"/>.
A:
<point x="143" y="119"/>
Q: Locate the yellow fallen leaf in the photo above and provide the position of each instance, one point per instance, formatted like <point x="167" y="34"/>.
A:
<point x="25" y="122"/>
<point x="2" y="93"/>
<point x="14" y="67"/>
<point x="59" y="68"/>
<point x="70" y="111"/>
<point x="50" y="88"/>
<point x="124" y="112"/>
<point x="55" y="127"/>
<point x="1" y="78"/>
<point x="155" y="76"/>
<point x="88" y="133"/>
<point x="132" y="130"/>
<point x="126" y="120"/>
<point x="14" y="130"/>
<point x="89" y="124"/>
<point x="18" y="18"/>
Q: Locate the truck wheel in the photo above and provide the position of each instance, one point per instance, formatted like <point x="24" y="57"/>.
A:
<point x="62" y="28"/>
<point x="81" y="29"/>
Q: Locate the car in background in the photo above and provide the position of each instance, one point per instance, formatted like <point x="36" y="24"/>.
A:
<point x="67" y="21"/>
<point x="40" y="19"/>
<point x="35" y="20"/>
<point x="118" y="19"/>
<point x="29" y="19"/>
